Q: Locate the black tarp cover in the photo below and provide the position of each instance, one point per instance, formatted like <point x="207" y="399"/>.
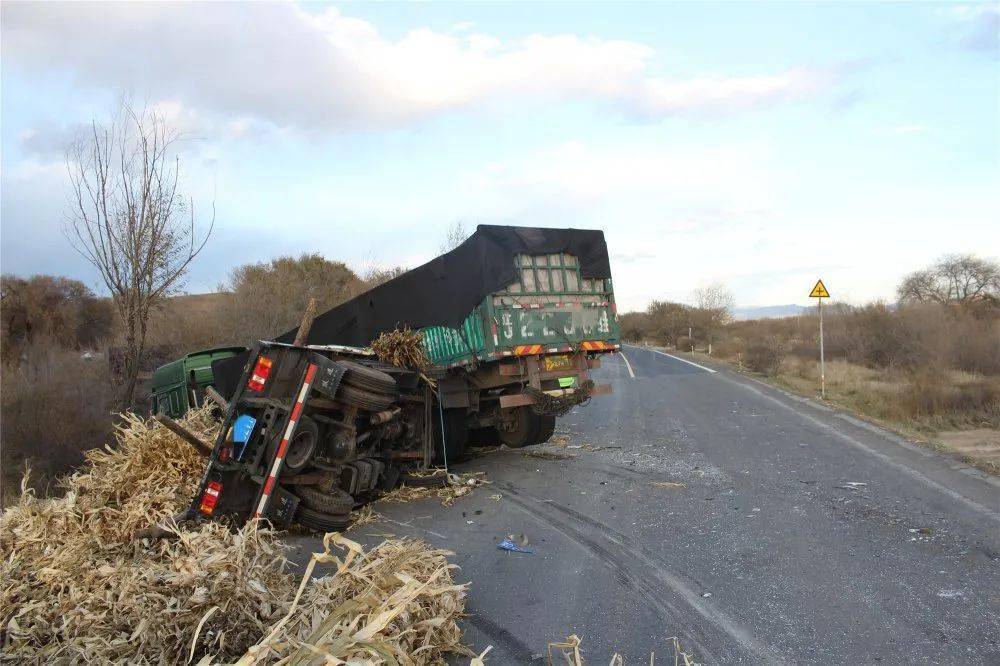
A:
<point x="445" y="290"/>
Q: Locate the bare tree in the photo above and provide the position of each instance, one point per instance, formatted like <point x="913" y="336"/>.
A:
<point x="128" y="219"/>
<point x="954" y="279"/>
<point x="713" y="309"/>
<point x="456" y="236"/>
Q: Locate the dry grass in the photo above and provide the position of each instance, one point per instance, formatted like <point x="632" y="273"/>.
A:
<point x="54" y="405"/>
<point x="923" y="401"/>
<point x="77" y="587"/>
<point x="932" y="405"/>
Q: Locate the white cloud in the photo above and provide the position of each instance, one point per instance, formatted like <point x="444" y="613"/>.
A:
<point x="277" y="63"/>
<point x="980" y="24"/>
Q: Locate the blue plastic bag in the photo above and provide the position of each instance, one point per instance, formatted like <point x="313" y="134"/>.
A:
<point x="507" y="544"/>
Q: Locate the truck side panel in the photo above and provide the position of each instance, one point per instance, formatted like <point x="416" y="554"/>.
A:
<point x="551" y="308"/>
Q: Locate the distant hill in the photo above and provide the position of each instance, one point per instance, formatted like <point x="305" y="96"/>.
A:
<point x="769" y="311"/>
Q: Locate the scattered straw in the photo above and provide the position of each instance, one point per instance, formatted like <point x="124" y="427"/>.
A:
<point x="668" y="484"/>
<point x="545" y="455"/>
<point x="402" y="347"/>
<point x="568" y="652"/>
<point x="78" y="588"/>
<point x="459" y="485"/>
<point x="363" y="516"/>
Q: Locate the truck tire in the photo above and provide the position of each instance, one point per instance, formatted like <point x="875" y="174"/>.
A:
<point x="335" y="502"/>
<point x="546" y="426"/>
<point x="322" y="522"/>
<point x="368" y="379"/>
<point x="374" y="402"/>
<point x="487" y="436"/>
<point x="433" y="481"/>
<point x="300" y="449"/>
<point x="524" y="431"/>
<point x="456" y="427"/>
<point x="303" y="444"/>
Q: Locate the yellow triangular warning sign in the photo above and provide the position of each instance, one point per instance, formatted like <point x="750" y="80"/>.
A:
<point x="819" y="291"/>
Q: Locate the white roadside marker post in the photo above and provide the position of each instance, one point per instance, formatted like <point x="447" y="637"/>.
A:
<point x="820" y="292"/>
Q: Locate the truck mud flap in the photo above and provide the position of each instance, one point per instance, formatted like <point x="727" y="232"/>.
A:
<point x="281" y="508"/>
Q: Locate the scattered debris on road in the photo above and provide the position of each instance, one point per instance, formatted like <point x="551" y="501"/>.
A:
<point x="568" y="652"/>
<point x="363" y="516"/>
<point x="668" y="484"/>
<point x="545" y="455"/>
<point x="509" y="545"/>
<point x="459" y="485"/>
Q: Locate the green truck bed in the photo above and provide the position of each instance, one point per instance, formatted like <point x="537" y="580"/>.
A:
<point x="550" y="309"/>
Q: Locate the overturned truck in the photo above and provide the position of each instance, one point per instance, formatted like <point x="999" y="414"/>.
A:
<point x="512" y="322"/>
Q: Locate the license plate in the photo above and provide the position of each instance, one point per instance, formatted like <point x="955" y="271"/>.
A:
<point x="558" y="362"/>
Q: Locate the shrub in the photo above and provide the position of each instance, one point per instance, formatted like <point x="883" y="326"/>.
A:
<point x="765" y="359"/>
<point x="684" y="343"/>
<point x="44" y="306"/>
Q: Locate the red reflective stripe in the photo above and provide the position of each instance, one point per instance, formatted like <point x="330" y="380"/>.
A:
<point x="283" y="447"/>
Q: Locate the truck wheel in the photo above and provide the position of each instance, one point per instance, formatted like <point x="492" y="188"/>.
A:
<point x="456" y="428"/>
<point x="484" y="436"/>
<point x="368" y="379"/>
<point x="521" y="430"/>
<point x="373" y="402"/>
<point x="322" y="522"/>
<point x="432" y="481"/>
<point x="303" y="444"/>
<point x="334" y="502"/>
<point x="546" y="427"/>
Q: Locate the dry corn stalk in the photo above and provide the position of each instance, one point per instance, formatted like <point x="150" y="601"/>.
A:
<point x="75" y="587"/>
<point x="458" y="485"/>
<point x="402" y="347"/>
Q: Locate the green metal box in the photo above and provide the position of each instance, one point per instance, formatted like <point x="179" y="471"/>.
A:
<point x="550" y="309"/>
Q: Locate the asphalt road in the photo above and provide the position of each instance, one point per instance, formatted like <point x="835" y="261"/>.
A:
<point x="800" y="535"/>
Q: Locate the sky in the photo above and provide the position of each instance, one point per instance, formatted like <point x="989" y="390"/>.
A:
<point x="760" y="145"/>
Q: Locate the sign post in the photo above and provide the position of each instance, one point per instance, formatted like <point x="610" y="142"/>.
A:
<point x="819" y="292"/>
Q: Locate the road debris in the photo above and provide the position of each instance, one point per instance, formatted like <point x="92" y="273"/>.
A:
<point x="78" y="587"/>
<point x="519" y="539"/>
<point x="458" y="485"/>
<point x="568" y="652"/>
<point x="668" y="484"/>
<point x="507" y="544"/>
<point x="545" y="455"/>
<point x="363" y="516"/>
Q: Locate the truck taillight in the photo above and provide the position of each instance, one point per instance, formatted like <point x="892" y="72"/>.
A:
<point x="210" y="497"/>
<point x="261" y="371"/>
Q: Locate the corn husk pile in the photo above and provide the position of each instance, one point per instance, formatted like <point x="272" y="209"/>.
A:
<point x="393" y="604"/>
<point x="402" y="347"/>
<point x="76" y="587"/>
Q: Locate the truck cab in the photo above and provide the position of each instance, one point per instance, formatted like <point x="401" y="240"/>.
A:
<point x="180" y="385"/>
